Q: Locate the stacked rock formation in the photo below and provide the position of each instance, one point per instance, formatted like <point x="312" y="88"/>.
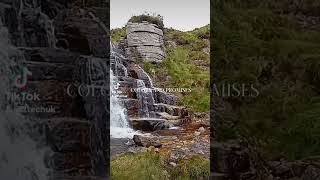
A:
<point x="145" y="41"/>
<point x="65" y="45"/>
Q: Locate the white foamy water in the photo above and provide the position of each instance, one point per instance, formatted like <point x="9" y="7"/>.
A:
<point x="119" y="126"/>
<point x="120" y="132"/>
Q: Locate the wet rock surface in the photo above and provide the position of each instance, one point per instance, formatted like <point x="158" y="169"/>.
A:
<point x="175" y="144"/>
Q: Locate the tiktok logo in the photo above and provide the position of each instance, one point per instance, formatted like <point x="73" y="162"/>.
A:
<point x="21" y="80"/>
<point x="116" y="87"/>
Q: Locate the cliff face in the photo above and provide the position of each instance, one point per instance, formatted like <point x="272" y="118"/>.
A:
<point x="145" y="41"/>
<point x="65" y="45"/>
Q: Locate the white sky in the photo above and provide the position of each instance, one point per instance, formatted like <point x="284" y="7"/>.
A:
<point x="184" y="15"/>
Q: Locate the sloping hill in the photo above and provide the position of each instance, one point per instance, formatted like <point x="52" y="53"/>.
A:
<point x="275" y="46"/>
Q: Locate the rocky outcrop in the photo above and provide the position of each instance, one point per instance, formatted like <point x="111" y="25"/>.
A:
<point x="145" y="42"/>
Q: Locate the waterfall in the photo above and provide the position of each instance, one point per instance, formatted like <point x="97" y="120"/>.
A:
<point x="144" y="111"/>
<point x="119" y="126"/>
<point x="124" y="69"/>
<point x="148" y="77"/>
<point x="20" y="157"/>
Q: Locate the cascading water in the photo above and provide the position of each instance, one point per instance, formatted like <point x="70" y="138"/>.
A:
<point x="119" y="126"/>
<point x="144" y="111"/>
<point x="119" y="122"/>
<point x="20" y="157"/>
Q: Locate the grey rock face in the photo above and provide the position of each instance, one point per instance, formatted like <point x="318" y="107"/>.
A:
<point x="145" y="41"/>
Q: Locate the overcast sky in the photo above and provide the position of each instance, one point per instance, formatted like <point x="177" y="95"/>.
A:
<point x="183" y="15"/>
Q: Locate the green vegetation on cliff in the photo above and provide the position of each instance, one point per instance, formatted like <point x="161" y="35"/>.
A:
<point x="186" y="66"/>
<point x="262" y="43"/>
<point x="118" y="34"/>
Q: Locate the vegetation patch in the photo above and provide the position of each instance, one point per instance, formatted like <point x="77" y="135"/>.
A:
<point x="177" y="70"/>
<point x="196" y="167"/>
<point x="270" y="49"/>
<point x="118" y="34"/>
<point x="150" y="165"/>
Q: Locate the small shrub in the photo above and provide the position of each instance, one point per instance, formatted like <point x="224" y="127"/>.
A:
<point x="153" y="19"/>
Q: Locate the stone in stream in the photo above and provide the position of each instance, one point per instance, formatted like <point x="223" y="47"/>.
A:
<point x="149" y="124"/>
<point x="146" y="141"/>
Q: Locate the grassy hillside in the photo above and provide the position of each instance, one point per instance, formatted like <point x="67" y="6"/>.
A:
<point x="149" y="165"/>
<point x="186" y="66"/>
<point x="263" y="43"/>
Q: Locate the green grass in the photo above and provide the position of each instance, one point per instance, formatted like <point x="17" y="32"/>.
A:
<point x="193" y="40"/>
<point x="149" y="165"/>
<point x="118" y="34"/>
<point x="184" y="73"/>
<point x="253" y="44"/>
<point x="193" y="168"/>
<point x="180" y="67"/>
<point x="137" y="167"/>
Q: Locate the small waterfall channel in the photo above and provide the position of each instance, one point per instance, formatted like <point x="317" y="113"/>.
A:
<point x="143" y="106"/>
<point x="119" y="125"/>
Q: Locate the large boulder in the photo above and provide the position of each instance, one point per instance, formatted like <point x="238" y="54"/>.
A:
<point x="147" y="141"/>
<point x="145" y="41"/>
